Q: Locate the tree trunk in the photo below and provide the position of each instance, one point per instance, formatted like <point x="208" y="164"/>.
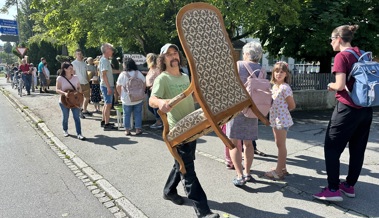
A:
<point x="64" y="50"/>
<point x="325" y="64"/>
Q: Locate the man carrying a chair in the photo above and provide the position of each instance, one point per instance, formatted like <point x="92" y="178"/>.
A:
<point x="167" y="85"/>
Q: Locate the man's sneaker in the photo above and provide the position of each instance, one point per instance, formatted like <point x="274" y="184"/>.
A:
<point x="65" y="134"/>
<point x="81" y="115"/>
<point x="156" y="126"/>
<point x="80" y="137"/>
<point x="347" y="190"/>
<point x="328" y="195"/>
<point x="175" y="198"/>
<point x="109" y="127"/>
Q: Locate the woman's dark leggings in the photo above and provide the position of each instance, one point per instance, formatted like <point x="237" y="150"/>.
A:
<point x="347" y="126"/>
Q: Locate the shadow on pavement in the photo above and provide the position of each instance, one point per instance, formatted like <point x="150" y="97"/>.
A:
<point x="239" y="210"/>
<point x="111" y="142"/>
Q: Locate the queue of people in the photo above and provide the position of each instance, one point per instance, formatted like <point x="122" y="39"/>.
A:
<point x="31" y="75"/>
<point x="349" y="124"/>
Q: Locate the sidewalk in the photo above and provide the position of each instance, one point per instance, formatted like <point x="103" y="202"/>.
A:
<point x="138" y="166"/>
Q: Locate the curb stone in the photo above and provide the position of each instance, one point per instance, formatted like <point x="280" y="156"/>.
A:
<point x="109" y="189"/>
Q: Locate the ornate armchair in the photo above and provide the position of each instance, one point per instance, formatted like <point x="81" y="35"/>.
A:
<point x="215" y="80"/>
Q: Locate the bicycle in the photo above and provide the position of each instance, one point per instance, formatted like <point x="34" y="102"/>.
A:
<point x="15" y="80"/>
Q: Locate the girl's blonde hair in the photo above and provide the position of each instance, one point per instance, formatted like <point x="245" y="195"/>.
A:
<point x="151" y="60"/>
<point x="281" y="66"/>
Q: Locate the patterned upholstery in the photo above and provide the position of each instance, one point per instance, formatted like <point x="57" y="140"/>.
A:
<point x="192" y="120"/>
<point x="213" y="60"/>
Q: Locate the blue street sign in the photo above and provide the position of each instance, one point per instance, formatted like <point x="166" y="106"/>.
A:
<point x="8" y="31"/>
<point x="8" y="23"/>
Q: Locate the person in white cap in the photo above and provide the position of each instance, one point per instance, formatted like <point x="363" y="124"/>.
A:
<point x="167" y="85"/>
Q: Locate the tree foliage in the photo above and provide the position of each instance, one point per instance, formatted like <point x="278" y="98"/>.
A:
<point x="7" y="58"/>
<point x="7" y="5"/>
<point x="47" y="50"/>
<point x="309" y="40"/>
<point x="292" y="28"/>
<point x="26" y="24"/>
<point x="8" y="47"/>
<point x="144" y="25"/>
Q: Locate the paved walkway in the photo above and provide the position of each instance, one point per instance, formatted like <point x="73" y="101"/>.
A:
<point x="132" y="170"/>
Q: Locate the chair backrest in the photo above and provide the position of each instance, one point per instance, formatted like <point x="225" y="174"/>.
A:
<point x="210" y="55"/>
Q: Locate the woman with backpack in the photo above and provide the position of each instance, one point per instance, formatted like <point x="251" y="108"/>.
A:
<point x="242" y="127"/>
<point x="349" y="124"/>
<point x="131" y="87"/>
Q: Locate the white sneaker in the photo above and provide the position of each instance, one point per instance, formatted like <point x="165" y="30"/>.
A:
<point x="65" y="134"/>
<point x="80" y="137"/>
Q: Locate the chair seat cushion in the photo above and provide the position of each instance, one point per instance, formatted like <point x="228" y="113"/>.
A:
<point x="186" y="123"/>
<point x="192" y="120"/>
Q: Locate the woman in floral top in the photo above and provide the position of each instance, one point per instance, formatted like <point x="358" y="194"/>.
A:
<point x="280" y="117"/>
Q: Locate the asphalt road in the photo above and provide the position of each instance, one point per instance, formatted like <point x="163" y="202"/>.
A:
<point x="34" y="181"/>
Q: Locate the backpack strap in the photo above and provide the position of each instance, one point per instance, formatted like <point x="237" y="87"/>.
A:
<point x="366" y="56"/>
<point x="353" y="52"/>
<point x="128" y="76"/>
<point x="252" y="73"/>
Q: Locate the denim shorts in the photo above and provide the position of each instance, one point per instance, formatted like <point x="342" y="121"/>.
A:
<point x="107" y="98"/>
<point x="282" y="128"/>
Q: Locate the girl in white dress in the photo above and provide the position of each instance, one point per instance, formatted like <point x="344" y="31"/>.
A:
<point x="280" y="117"/>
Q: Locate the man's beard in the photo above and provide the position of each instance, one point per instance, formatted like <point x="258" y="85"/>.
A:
<point x="172" y="61"/>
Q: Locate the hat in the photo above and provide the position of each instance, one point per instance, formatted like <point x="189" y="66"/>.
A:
<point x="167" y="46"/>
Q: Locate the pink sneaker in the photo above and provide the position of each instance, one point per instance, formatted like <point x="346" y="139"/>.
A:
<point x="347" y="190"/>
<point x="328" y="195"/>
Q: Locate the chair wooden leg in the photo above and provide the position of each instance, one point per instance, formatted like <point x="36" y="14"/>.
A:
<point x="173" y="151"/>
<point x="260" y="116"/>
<point x="223" y="137"/>
<point x="175" y="154"/>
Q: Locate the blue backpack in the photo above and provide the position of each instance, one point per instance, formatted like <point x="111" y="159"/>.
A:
<point x="365" y="91"/>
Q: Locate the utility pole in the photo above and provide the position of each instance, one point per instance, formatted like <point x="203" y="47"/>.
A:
<point x="18" y="24"/>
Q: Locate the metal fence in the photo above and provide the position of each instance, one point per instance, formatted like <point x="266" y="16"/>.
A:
<point x="314" y="81"/>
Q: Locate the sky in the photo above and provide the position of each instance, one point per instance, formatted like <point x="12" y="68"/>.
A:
<point x="10" y="16"/>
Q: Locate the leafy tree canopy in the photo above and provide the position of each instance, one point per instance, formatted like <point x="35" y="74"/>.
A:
<point x="144" y="25"/>
<point x="309" y="39"/>
<point x="8" y="47"/>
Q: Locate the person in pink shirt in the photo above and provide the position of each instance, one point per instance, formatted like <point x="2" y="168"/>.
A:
<point x="68" y="81"/>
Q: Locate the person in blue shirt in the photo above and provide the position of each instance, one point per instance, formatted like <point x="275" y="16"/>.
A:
<point x="42" y="75"/>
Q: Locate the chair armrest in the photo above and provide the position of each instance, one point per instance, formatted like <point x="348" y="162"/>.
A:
<point x="177" y="99"/>
<point x="174" y="101"/>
